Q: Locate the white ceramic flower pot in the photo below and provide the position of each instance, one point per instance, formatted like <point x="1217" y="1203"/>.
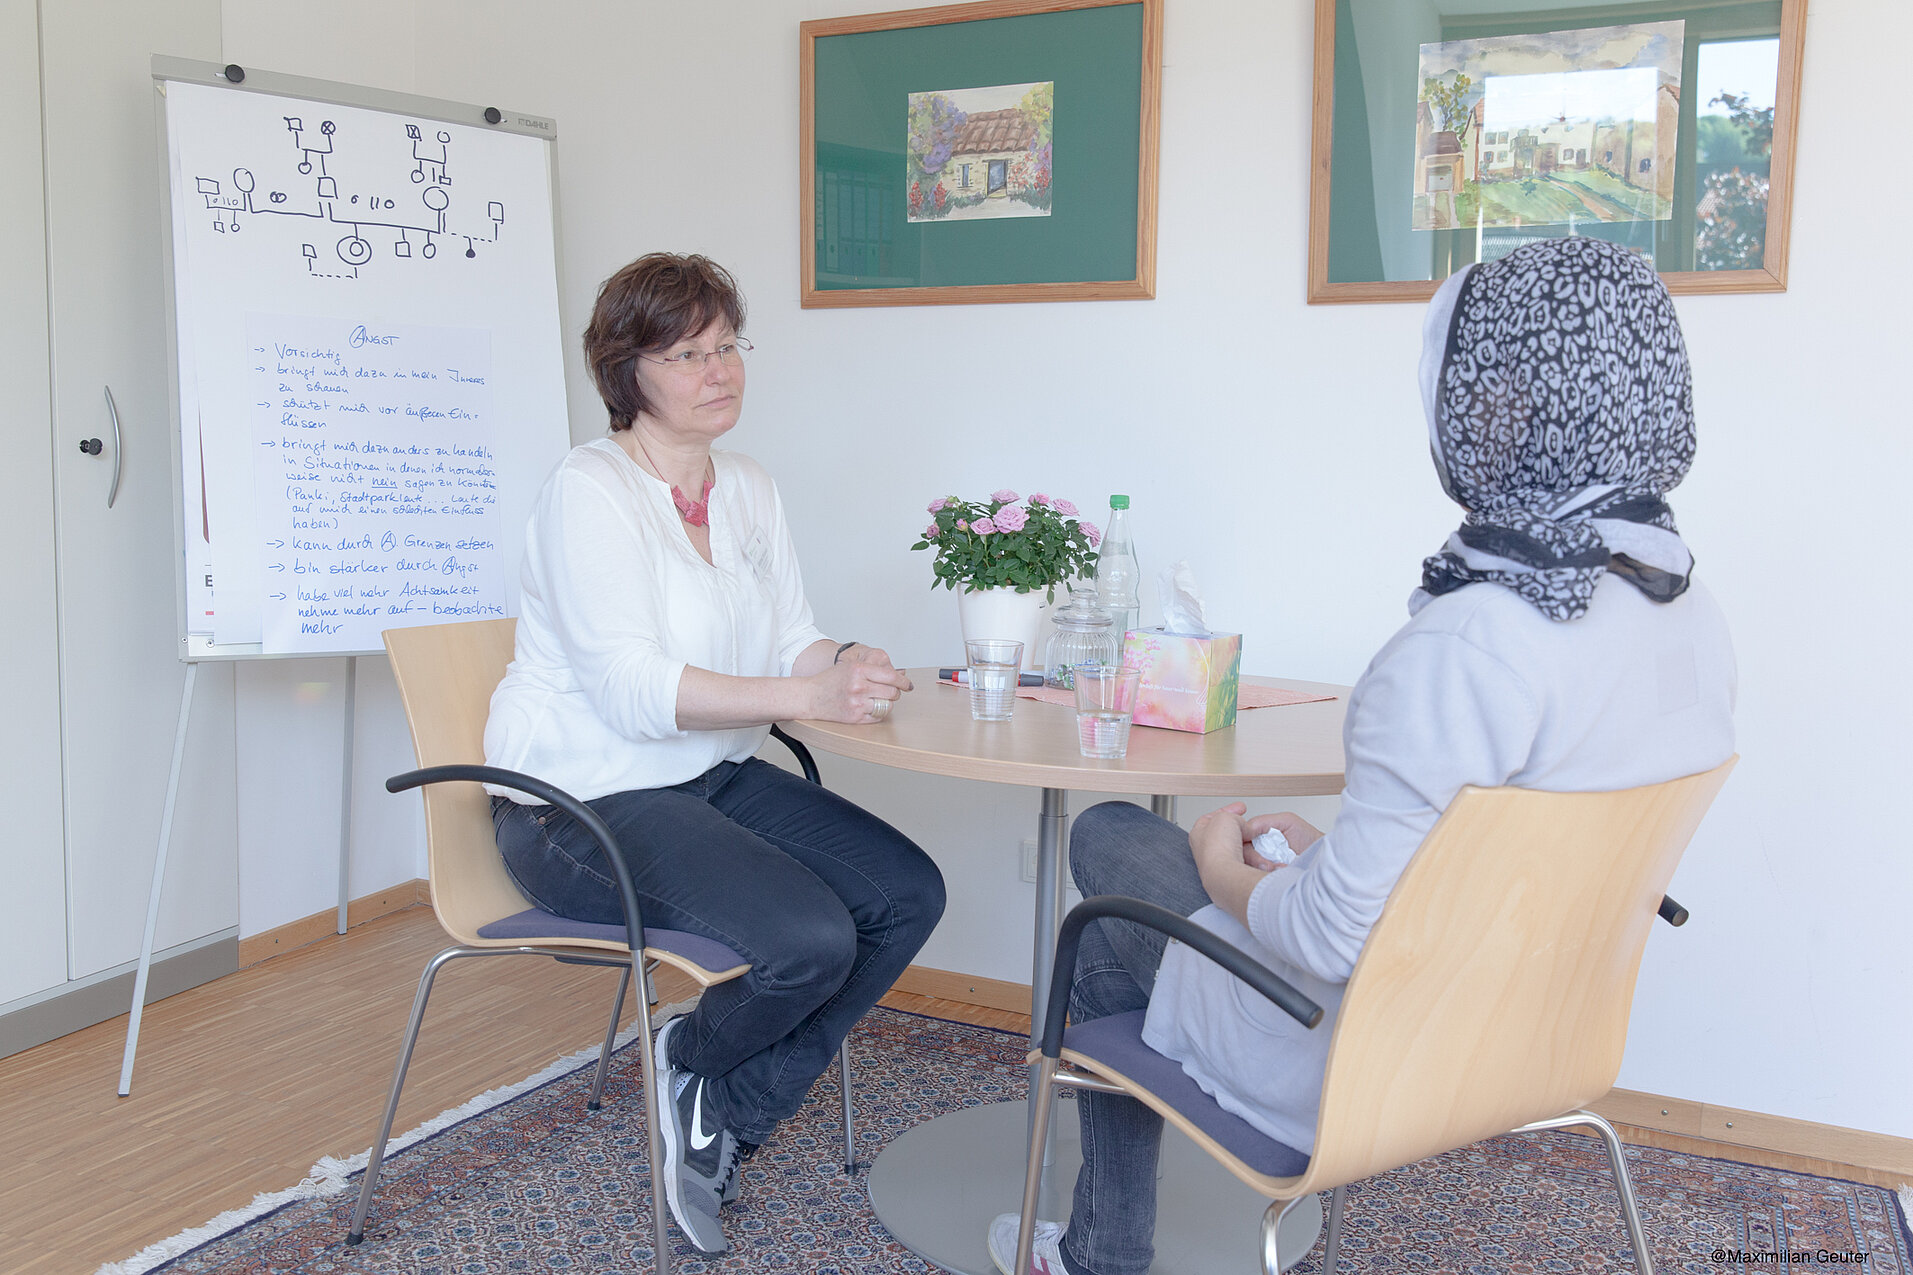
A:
<point x="1005" y="613"/>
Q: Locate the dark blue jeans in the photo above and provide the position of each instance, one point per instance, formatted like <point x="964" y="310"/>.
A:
<point x="827" y="902"/>
<point x="1119" y="848"/>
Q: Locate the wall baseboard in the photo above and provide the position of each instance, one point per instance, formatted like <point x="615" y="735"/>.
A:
<point x="1731" y="1126"/>
<point x="967" y="989"/>
<point x="1832" y="1145"/>
<point x="88" y="1003"/>
<point x="310" y="929"/>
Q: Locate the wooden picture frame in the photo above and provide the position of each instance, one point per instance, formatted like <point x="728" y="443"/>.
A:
<point x="873" y="233"/>
<point x="1329" y="272"/>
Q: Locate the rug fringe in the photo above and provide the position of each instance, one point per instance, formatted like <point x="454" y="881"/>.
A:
<point x="331" y="1175"/>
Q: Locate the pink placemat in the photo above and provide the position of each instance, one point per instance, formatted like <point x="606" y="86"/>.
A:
<point x="1247" y="696"/>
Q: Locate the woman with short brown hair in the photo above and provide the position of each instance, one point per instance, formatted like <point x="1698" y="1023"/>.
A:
<point x="663" y="628"/>
<point x="652" y="303"/>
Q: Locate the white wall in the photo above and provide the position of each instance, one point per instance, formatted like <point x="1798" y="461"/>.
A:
<point x="1280" y="449"/>
<point x="290" y="720"/>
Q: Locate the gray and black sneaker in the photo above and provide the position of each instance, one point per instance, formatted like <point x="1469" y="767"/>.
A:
<point x="700" y="1156"/>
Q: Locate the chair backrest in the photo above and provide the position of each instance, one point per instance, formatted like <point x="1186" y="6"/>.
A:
<point x="1496" y="987"/>
<point x="446" y="674"/>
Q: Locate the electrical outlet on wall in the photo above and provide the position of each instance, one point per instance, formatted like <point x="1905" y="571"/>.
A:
<point x="1028" y="855"/>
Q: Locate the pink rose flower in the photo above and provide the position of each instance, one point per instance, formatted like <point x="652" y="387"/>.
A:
<point x="1003" y="497"/>
<point x="1090" y="533"/>
<point x="1066" y="509"/>
<point x="1038" y="498"/>
<point x="936" y="506"/>
<point x="930" y="532"/>
<point x="1011" y="519"/>
<point x="962" y="524"/>
<point x="983" y="527"/>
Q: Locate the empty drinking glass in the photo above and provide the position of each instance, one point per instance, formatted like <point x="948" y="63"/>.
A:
<point x="1105" y="703"/>
<point x="994" y="664"/>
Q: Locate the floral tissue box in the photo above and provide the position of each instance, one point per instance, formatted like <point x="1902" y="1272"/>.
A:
<point x="1189" y="682"/>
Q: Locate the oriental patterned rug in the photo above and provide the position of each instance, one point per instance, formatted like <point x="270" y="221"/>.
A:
<point x="525" y="1179"/>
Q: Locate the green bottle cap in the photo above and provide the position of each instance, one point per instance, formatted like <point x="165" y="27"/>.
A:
<point x="1119" y="502"/>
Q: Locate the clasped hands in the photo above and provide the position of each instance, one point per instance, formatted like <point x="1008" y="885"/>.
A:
<point x="860" y="687"/>
<point x="1222" y="842"/>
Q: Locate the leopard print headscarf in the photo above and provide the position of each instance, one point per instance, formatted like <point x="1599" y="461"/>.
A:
<point x="1560" y="413"/>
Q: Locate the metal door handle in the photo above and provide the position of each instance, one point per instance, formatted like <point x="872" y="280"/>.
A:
<point x="113" y="414"/>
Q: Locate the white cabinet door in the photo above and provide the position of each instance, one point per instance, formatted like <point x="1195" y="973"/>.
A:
<point x="32" y="855"/>
<point x="120" y="675"/>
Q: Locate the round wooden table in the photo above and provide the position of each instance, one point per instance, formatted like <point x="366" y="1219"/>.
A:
<point x="1294" y="750"/>
<point x="937" y="1187"/>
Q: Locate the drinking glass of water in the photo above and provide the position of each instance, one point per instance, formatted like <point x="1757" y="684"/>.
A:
<point x="994" y="664"/>
<point x="1105" y="703"/>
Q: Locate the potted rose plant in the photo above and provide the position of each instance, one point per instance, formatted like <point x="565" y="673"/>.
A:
<point x="1005" y="556"/>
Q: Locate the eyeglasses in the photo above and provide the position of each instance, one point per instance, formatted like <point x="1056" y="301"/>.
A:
<point x="730" y="354"/>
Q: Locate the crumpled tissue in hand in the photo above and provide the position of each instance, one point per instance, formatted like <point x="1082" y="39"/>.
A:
<point x="1274" y="847"/>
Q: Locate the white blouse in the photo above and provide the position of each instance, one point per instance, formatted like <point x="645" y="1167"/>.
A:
<point x="617" y="602"/>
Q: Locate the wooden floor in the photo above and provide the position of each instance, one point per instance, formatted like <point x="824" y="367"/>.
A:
<point x="244" y="1083"/>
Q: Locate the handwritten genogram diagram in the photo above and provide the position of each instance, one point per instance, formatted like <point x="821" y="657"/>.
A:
<point x="375" y="478"/>
<point x="410" y="211"/>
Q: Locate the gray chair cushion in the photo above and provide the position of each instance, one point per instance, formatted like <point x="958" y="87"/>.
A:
<point x="1117" y="1042"/>
<point x="535" y="925"/>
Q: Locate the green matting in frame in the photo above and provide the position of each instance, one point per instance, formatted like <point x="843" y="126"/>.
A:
<point x="881" y="230"/>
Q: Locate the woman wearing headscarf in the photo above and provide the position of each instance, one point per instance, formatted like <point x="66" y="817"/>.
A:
<point x="1558" y="641"/>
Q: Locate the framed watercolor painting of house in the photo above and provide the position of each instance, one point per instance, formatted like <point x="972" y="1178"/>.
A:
<point x="1453" y="131"/>
<point x="980" y="152"/>
<point x="996" y="151"/>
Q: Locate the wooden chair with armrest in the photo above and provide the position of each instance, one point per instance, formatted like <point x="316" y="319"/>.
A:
<point x="1492" y="996"/>
<point x="446" y="674"/>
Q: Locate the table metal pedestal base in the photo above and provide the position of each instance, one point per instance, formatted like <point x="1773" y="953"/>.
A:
<point x="937" y="1187"/>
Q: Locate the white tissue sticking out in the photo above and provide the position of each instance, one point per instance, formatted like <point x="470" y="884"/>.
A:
<point x="1181" y="601"/>
<point x="1274" y="847"/>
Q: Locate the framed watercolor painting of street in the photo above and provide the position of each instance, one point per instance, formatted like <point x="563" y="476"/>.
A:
<point x="1550" y="129"/>
<point x="1453" y="131"/>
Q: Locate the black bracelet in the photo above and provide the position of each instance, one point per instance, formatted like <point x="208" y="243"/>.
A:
<point x="840" y="651"/>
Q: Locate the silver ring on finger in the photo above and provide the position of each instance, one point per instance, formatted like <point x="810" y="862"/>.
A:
<point x="879" y="707"/>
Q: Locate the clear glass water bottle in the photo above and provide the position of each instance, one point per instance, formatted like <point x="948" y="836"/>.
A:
<point x="1085" y="634"/>
<point x="1118" y="575"/>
